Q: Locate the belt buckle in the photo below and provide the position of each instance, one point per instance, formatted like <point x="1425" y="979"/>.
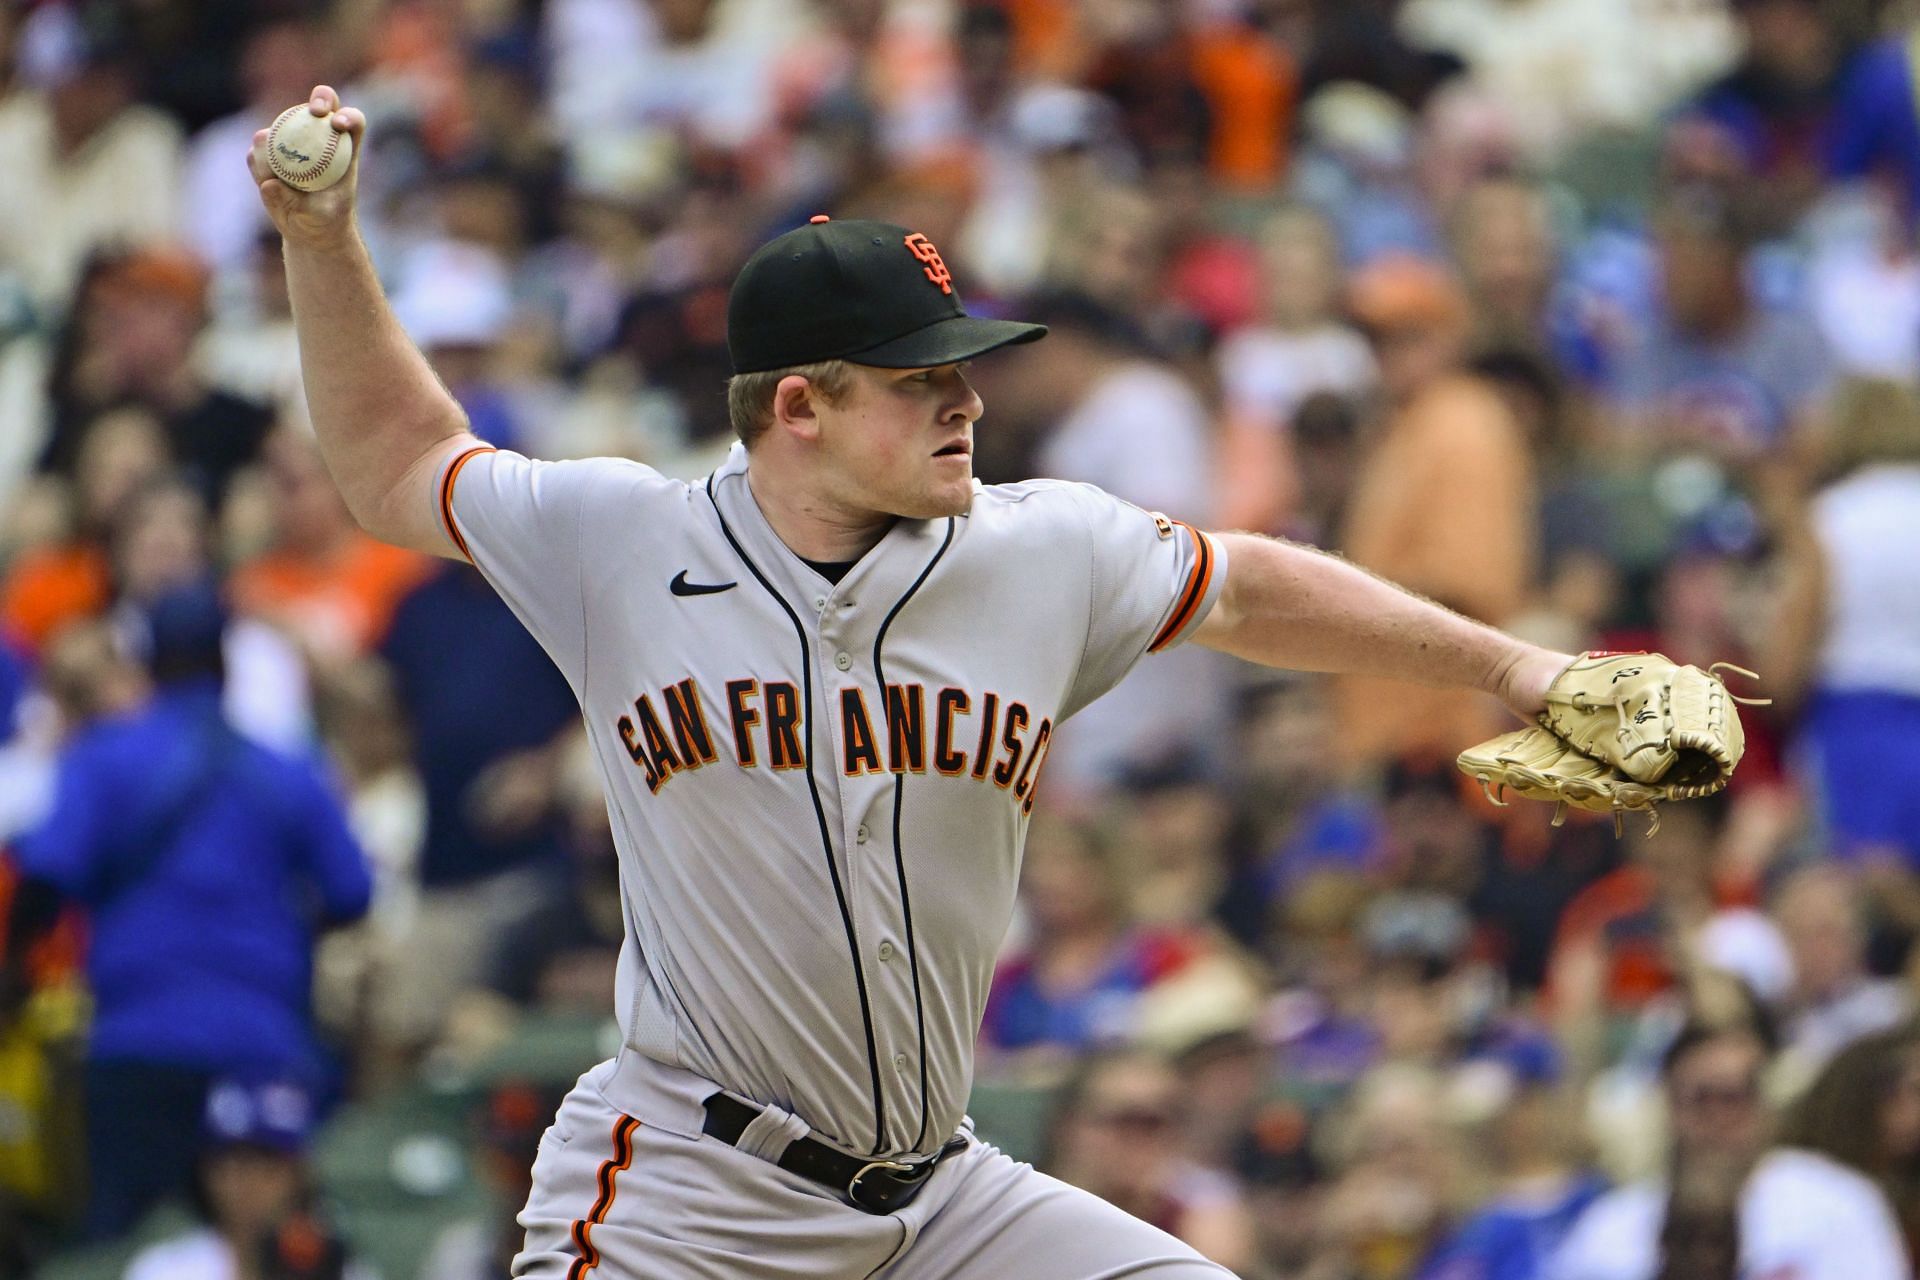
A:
<point x="891" y="1166"/>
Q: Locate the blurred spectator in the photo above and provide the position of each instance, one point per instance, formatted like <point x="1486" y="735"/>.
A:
<point x="132" y="343"/>
<point x="657" y="77"/>
<point x="507" y="1131"/>
<point x="454" y="301"/>
<point x="1130" y="424"/>
<point x="250" y="350"/>
<point x="1293" y="816"/>
<point x="1285" y="1187"/>
<point x="1541" y="1185"/>
<point x="1719" y="371"/>
<point x="1822" y="914"/>
<point x="42" y="1046"/>
<point x="83" y="675"/>
<point x="487" y="732"/>
<point x="1174" y="822"/>
<point x="120" y="453"/>
<point x="281" y="59"/>
<point x="1732" y="1203"/>
<point x="1326" y="454"/>
<point x="1357" y="167"/>
<point x="1505" y="233"/>
<point x="207" y="864"/>
<point x="1112" y="1133"/>
<point x="255" y="1196"/>
<point x="1268" y="370"/>
<point x="324" y="582"/>
<point x="1766" y="124"/>
<point x="1469" y="546"/>
<point x="1076" y="983"/>
<point x="161" y="543"/>
<point x="88" y="167"/>
<point x="365" y="733"/>
<point x="1321" y="1021"/>
<point x="1561" y="69"/>
<point x="1847" y="635"/>
<point x="1863" y="285"/>
<point x="1864" y="1112"/>
<point x="1631" y="937"/>
<point x="1401" y="1176"/>
<point x="1876" y="136"/>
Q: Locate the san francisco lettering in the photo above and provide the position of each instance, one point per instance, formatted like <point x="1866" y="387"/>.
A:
<point x="951" y="732"/>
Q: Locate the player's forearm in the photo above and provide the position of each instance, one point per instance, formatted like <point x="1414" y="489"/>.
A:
<point x="1290" y="606"/>
<point x="377" y="407"/>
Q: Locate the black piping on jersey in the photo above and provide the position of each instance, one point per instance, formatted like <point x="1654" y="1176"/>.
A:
<point x="899" y="858"/>
<point x="820" y="816"/>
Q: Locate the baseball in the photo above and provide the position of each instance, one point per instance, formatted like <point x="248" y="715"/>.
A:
<point x="305" y="150"/>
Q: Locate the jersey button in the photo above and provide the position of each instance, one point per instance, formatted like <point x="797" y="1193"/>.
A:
<point x="899" y="1062"/>
<point x="842" y="661"/>
<point x="820" y="602"/>
<point x="886" y="951"/>
<point x="862" y="834"/>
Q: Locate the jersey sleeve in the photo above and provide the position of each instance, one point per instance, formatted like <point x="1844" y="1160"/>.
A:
<point x="527" y="526"/>
<point x="1153" y="580"/>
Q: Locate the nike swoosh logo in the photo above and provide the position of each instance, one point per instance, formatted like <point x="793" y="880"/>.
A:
<point x="681" y="587"/>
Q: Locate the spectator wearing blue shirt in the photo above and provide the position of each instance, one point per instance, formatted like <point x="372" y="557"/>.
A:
<point x="1543" y="1188"/>
<point x="206" y="863"/>
<point x="1770" y="120"/>
<point x="1876" y="124"/>
<point x="491" y="716"/>
<point x="1718" y="371"/>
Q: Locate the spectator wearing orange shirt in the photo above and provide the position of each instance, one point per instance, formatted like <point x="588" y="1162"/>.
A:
<point x="1443" y="501"/>
<point x="325" y="583"/>
<point x="120" y="453"/>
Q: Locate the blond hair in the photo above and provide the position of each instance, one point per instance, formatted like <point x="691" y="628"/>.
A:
<point x="750" y="395"/>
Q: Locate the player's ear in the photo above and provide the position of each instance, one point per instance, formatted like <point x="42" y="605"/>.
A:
<point x="794" y="408"/>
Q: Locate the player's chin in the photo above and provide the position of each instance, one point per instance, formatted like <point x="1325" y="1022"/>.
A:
<point x="945" y="495"/>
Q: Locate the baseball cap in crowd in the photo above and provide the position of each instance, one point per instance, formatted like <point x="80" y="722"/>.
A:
<point x="1275" y="1150"/>
<point x="453" y="294"/>
<point x="870" y="292"/>
<point x="272" y="1115"/>
<point x="182" y="632"/>
<point x="1398" y="292"/>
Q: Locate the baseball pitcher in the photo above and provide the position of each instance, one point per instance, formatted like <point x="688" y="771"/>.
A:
<point x="821" y="685"/>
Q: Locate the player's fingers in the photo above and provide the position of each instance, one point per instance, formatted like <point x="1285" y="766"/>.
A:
<point x="354" y="121"/>
<point x="323" y="101"/>
<point x="257" y="157"/>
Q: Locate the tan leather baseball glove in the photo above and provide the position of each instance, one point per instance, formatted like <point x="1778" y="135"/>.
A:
<point x="1621" y="732"/>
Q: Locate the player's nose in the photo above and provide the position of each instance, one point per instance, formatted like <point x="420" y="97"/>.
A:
<point x="967" y="405"/>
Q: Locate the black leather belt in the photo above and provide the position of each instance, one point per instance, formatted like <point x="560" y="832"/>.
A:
<point x="876" y="1186"/>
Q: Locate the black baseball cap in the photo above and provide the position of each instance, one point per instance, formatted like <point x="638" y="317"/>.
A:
<point x="858" y="290"/>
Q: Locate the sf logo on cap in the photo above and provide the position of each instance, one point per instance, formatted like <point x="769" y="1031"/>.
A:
<point x="922" y="248"/>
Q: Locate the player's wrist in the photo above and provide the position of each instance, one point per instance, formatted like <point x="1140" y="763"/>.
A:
<point x="1525" y="675"/>
<point x="338" y="239"/>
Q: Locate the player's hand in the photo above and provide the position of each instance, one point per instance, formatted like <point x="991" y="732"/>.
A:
<point x="315" y="219"/>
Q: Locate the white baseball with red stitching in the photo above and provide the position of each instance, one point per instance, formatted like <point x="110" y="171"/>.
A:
<point x="305" y="150"/>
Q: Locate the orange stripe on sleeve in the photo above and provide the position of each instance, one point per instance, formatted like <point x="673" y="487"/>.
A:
<point x="1195" y="591"/>
<point x="619" y="1162"/>
<point x="446" y="496"/>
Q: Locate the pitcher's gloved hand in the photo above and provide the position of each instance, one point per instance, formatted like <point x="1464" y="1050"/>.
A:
<point x="1621" y="732"/>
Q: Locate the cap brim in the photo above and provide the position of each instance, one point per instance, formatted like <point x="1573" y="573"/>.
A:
<point x="948" y="342"/>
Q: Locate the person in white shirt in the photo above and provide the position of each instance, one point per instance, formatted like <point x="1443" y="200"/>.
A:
<point x="1732" y="1204"/>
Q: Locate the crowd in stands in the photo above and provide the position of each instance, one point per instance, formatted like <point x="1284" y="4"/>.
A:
<point x="1599" y="321"/>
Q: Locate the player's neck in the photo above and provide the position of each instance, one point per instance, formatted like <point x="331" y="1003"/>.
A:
<point x="814" y="528"/>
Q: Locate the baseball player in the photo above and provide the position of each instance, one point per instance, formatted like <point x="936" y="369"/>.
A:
<point x="820" y="685"/>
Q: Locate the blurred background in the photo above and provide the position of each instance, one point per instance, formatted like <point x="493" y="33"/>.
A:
<point x="1595" y="319"/>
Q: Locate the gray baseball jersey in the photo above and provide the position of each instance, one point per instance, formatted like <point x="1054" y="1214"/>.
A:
<point x="819" y="791"/>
